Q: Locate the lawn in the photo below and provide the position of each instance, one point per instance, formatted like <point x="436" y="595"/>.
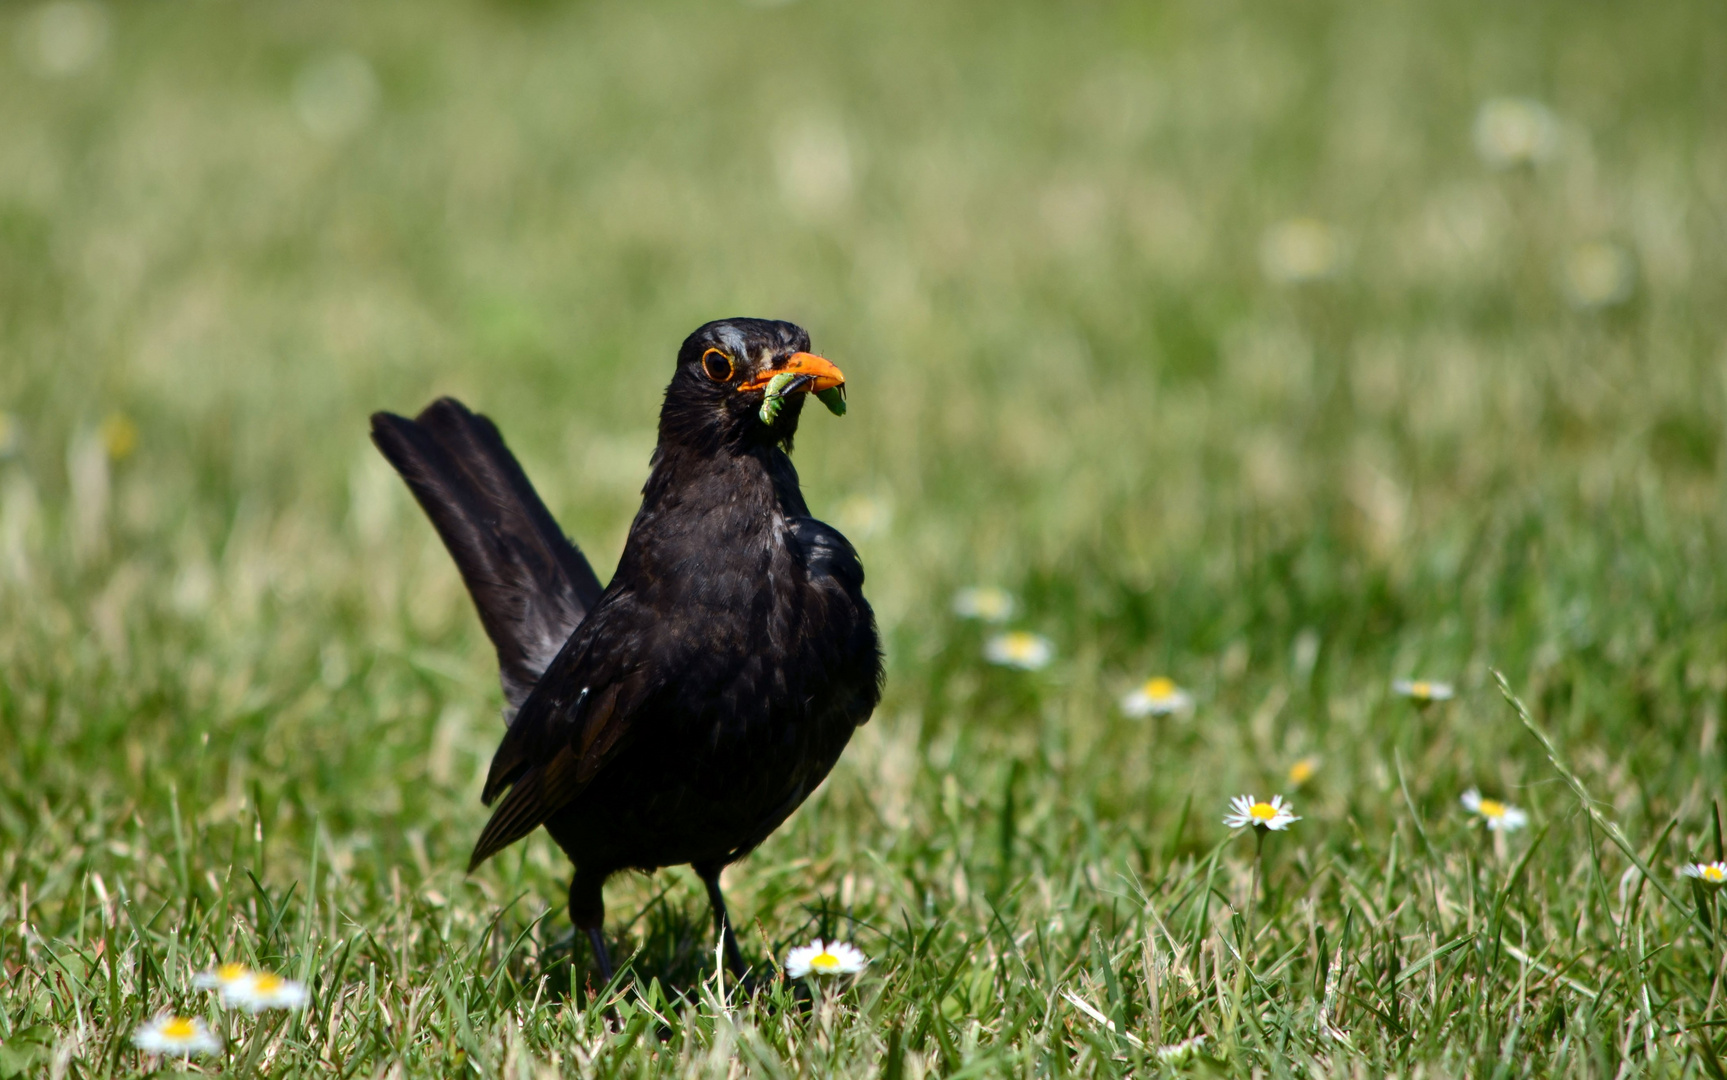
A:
<point x="1281" y="350"/>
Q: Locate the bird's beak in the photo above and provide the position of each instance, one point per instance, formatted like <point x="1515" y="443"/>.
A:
<point x="818" y="374"/>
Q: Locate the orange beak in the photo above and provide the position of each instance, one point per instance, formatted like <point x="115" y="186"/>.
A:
<point x="821" y="373"/>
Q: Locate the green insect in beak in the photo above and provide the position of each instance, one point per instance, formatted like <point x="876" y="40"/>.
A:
<point x="833" y="397"/>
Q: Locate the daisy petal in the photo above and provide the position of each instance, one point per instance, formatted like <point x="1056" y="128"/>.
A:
<point x="178" y="1035"/>
<point x="1019" y="649"/>
<point x="825" y="958"/>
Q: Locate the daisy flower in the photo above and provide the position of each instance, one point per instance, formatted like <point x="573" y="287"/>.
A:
<point x="1156" y="697"/>
<point x="1423" y="691"/>
<point x="864" y="516"/>
<point x="1709" y="873"/>
<point x="1515" y="131"/>
<point x="830" y="958"/>
<point x="1597" y="274"/>
<point x="260" y="990"/>
<point x="65" y="37"/>
<point x="1302" y="771"/>
<point x="1300" y="250"/>
<point x="984" y="602"/>
<point x="222" y="977"/>
<point x="1020" y="649"/>
<point x="1498" y="815"/>
<point x="1245" y="810"/>
<point x="180" y="1035"/>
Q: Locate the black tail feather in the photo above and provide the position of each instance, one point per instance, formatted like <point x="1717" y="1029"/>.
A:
<point x="532" y="587"/>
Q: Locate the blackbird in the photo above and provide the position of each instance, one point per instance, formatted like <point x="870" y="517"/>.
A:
<point x="681" y="713"/>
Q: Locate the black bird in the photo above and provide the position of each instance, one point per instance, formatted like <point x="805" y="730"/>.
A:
<point x="683" y="712"/>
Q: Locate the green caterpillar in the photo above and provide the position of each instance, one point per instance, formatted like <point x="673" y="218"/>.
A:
<point x="834" y="398"/>
<point x="775" y="400"/>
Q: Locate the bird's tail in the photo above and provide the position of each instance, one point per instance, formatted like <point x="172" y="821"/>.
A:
<point x="531" y="585"/>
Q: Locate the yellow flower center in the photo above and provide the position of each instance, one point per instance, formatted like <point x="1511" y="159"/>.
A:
<point x="990" y="603"/>
<point x="1714" y="872"/>
<point x="231" y="972"/>
<point x="267" y="984"/>
<point x="1302" y="771"/>
<point x="1020" y="644"/>
<point x="1420" y="690"/>
<point x="1262" y="811"/>
<point x="178" y="1028"/>
<point x="825" y="961"/>
<point x="1492" y="808"/>
<point x="1159" y="687"/>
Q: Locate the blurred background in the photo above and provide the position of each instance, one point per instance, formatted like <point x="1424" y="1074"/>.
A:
<point x="1283" y="349"/>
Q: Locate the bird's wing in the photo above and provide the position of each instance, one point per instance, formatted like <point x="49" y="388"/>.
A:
<point x="577" y="718"/>
<point x="531" y="585"/>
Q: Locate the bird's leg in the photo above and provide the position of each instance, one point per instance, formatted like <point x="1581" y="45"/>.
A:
<point x="588" y="912"/>
<point x="710" y="875"/>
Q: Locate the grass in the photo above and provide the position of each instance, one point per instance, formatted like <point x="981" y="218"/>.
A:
<point x="244" y="705"/>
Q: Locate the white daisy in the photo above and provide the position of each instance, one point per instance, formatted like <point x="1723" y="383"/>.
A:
<point x="260" y="990"/>
<point x="1156" y="697"/>
<point x="829" y="958"/>
<point x="1597" y="274"/>
<point x="179" y="1035"/>
<point x="221" y="977"/>
<point x="863" y="516"/>
<point x="1019" y="649"/>
<point x="1498" y="815"/>
<point x="1245" y="810"/>
<point x="1300" y="250"/>
<point x="1515" y="131"/>
<point x="64" y="37"/>
<point x="1709" y="873"/>
<point x="1423" y="691"/>
<point x="984" y="602"/>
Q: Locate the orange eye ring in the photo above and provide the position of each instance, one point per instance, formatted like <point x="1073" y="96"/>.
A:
<point x="711" y="366"/>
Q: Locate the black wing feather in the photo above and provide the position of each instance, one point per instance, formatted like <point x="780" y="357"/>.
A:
<point x="530" y="584"/>
<point x="555" y="745"/>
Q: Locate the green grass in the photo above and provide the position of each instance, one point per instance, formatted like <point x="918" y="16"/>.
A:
<point x="245" y="706"/>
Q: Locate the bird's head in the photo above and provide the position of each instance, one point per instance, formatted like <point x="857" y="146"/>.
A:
<point x="742" y="382"/>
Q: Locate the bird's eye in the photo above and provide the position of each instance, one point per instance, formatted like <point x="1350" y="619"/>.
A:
<point x="717" y="366"/>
